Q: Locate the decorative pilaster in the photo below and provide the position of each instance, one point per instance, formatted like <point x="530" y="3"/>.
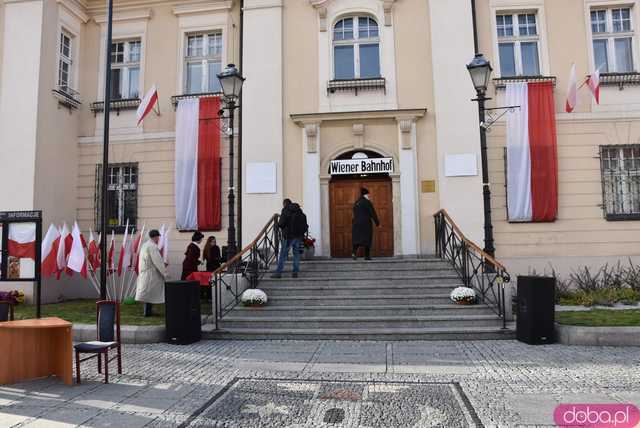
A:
<point x="405" y="126"/>
<point x="311" y="191"/>
<point x="311" y="133"/>
<point x="410" y="223"/>
<point x="358" y="133"/>
<point x="388" y="5"/>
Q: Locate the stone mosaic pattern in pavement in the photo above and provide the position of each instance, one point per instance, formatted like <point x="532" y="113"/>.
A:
<point x="507" y="383"/>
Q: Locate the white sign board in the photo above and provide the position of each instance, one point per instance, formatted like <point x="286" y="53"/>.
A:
<point x="463" y="165"/>
<point x="261" y="177"/>
<point x="361" y="166"/>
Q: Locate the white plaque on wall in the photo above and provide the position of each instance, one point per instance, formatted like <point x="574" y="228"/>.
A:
<point x="261" y="177"/>
<point x="463" y="165"/>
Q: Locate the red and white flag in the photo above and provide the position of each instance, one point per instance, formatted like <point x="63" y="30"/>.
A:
<point x="593" y="82"/>
<point x="197" y="170"/>
<point x="49" y="252"/>
<point x="93" y="252"/>
<point x="124" y="261"/>
<point x="64" y="247"/>
<point x="112" y="249"/>
<point x="22" y="240"/>
<point x="164" y="239"/>
<point x="572" y="91"/>
<point x="148" y="102"/>
<point x="135" y="250"/>
<point x="532" y="164"/>
<point x="77" y="258"/>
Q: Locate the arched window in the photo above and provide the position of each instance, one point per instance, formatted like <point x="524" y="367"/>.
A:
<point x="356" y="48"/>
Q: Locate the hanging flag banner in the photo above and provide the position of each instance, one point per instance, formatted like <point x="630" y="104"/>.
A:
<point x="361" y="166"/>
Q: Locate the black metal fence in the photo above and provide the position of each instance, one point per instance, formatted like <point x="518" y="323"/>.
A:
<point x="476" y="268"/>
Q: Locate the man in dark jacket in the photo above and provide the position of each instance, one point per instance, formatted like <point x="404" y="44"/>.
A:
<point x="293" y="224"/>
<point x="362" y="229"/>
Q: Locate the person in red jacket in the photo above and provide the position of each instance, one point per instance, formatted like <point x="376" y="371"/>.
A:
<point x="192" y="256"/>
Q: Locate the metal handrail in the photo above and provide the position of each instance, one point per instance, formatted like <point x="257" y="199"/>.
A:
<point x="245" y="268"/>
<point x="476" y="268"/>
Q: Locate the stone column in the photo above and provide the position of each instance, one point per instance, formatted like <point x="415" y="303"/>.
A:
<point x="311" y="181"/>
<point x="410" y="224"/>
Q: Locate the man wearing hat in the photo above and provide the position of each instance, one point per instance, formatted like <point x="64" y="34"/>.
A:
<point x="362" y="229"/>
<point x="153" y="271"/>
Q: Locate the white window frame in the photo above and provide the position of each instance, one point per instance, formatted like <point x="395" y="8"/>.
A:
<point x="356" y="42"/>
<point x="518" y="39"/>
<point x="203" y="59"/>
<point x="614" y="206"/>
<point x="609" y="35"/>
<point x="127" y="65"/>
<point x="66" y="60"/>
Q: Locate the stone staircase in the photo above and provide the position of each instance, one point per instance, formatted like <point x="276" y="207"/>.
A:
<point x="383" y="299"/>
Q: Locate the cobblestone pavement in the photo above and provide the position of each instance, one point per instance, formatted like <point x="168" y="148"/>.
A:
<point x="502" y="383"/>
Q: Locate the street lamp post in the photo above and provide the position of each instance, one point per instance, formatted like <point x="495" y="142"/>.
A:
<point x="231" y="82"/>
<point x="480" y="71"/>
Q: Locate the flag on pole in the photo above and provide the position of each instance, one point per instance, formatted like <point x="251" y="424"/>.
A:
<point x="148" y="102"/>
<point x="49" y="252"/>
<point x="532" y="165"/>
<point x="197" y="165"/>
<point x="93" y="252"/>
<point x="22" y="240"/>
<point x="593" y="81"/>
<point x="77" y="259"/>
<point x="64" y="247"/>
<point x="112" y="249"/>
<point x="572" y="91"/>
<point x="135" y="252"/>
<point x="124" y="261"/>
<point x="165" y="245"/>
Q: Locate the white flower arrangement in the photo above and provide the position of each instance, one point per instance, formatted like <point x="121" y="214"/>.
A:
<point x="463" y="295"/>
<point x="253" y="297"/>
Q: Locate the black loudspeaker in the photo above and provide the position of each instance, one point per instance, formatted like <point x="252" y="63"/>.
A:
<point x="182" y="312"/>
<point x="535" y="322"/>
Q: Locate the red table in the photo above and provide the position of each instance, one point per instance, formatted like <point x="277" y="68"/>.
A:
<point x="202" y="277"/>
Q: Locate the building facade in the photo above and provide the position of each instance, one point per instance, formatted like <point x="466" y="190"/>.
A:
<point x="327" y="82"/>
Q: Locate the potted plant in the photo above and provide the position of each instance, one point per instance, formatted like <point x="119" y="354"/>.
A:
<point x="15" y="296"/>
<point x="463" y="296"/>
<point x="254" y="297"/>
<point x="308" y="247"/>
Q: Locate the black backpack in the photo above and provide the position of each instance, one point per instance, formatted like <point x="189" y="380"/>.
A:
<point x="299" y="226"/>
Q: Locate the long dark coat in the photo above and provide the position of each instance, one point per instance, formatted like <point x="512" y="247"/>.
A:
<point x="191" y="260"/>
<point x="362" y="228"/>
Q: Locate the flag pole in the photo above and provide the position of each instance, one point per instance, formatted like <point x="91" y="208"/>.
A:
<point x="105" y="152"/>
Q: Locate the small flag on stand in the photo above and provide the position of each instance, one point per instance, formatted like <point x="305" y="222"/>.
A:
<point x="148" y="102"/>
<point x="50" y="245"/>
<point x="572" y="92"/>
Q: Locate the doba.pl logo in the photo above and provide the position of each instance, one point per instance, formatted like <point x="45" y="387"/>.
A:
<point x="597" y="415"/>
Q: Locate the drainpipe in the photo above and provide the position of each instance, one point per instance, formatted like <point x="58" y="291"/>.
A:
<point x="239" y="179"/>
<point x="475" y="26"/>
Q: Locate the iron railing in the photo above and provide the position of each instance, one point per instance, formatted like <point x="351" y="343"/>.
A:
<point x="244" y="270"/>
<point x="477" y="269"/>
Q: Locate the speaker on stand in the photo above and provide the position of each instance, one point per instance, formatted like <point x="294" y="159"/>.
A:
<point x="535" y="322"/>
<point x="182" y="312"/>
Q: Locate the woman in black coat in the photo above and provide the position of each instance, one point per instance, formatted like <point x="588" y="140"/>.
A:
<point x="211" y="254"/>
<point x="362" y="229"/>
<point x="192" y="256"/>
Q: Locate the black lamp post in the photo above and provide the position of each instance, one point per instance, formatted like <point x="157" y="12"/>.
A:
<point x="480" y="71"/>
<point x="231" y="82"/>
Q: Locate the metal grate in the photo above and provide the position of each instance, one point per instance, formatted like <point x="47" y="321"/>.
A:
<point x="620" y="169"/>
<point x="117" y="105"/>
<point x="620" y="79"/>
<point x="67" y="96"/>
<point x="357" y="84"/>
<point x="501" y="82"/>
<point x="176" y="98"/>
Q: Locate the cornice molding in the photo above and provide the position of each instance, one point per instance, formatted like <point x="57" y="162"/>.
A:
<point x="77" y="8"/>
<point x="315" y="118"/>
<point x="138" y="14"/>
<point x="202" y="7"/>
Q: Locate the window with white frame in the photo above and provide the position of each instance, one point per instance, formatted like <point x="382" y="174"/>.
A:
<point x="125" y="69"/>
<point x="65" y="62"/>
<point x="518" y="44"/>
<point x="356" y="48"/>
<point x="612" y="31"/>
<point x="620" y="168"/>
<point x="203" y="62"/>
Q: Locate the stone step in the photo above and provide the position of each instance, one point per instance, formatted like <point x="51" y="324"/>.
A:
<point x="373" y="300"/>
<point x="451" y="280"/>
<point x="354" y="291"/>
<point x="295" y="312"/>
<point x="352" y="266"/>
<point x="365" y="273"/>
<point x="265" y="321"/>
<point x="441" y="333"/>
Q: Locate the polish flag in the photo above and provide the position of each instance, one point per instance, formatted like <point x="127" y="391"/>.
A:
<point x="93" y="252"/>
<point x="572" y="92"/>
<point x="77" y="259"/>
<point x="148" y="102"/>
<point x="197" y="170"/>
<point x="593" y="82"/>
<point x="532" y="164"/>
<point x="135" y="251"/>
<point x="165" y="245"/>
<point x="22" y="240"/>
<point x="50" y="245"/>
<point x="64" y="247"/>
<point x="124" y="260"/>
<point x="112" y="249"/>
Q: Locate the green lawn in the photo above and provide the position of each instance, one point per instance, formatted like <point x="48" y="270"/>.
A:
<point x="84" y="312"/>
<point x="600" y="318"/>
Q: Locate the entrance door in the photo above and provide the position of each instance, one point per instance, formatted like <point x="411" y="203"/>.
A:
<point x="342" y="195"/>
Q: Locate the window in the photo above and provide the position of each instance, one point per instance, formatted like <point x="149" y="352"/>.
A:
<point x="356" y="48"/>
<point x="122" y="195"/>
<point x="620" y="168"/>
<point x="65" y="62"/>
<point x="518" y="44"/>
<point x="203" y="62"/>
<point x="125" y="70"/>
<point x="612" y="31"/>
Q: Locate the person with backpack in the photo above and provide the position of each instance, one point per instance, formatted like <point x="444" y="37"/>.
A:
<point x="293" y="225"/>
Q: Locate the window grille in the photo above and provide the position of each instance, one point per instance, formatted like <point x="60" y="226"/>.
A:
<point x="620" y="169"/>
